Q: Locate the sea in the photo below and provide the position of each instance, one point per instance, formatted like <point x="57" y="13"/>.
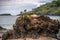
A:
<point x="8" y="21"/>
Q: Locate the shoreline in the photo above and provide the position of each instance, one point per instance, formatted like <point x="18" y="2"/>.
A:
<point x="41" y="38"/>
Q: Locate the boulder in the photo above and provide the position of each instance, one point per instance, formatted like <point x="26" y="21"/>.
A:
<point x="33" y="27"/>
<point x="1" y="28"/>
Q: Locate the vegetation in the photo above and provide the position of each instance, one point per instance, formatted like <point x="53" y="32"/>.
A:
<point x="48" y="8"/>
<point x="51" y="8"/>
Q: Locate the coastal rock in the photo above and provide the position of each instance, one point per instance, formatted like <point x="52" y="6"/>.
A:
<point x="33" y="27"/>
<point x="1" y="28"/>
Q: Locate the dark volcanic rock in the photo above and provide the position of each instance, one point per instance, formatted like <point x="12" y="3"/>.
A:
<point x="33" y="27"/>
<point x="1" y="28"/>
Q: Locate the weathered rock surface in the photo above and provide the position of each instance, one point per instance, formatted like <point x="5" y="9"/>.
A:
<point x="2" y="30"/>
<point x="33" y="27"/>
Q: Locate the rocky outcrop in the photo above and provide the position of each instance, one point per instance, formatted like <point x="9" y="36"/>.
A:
<point x="1" y="28"/>
<point x="33" y="27"/>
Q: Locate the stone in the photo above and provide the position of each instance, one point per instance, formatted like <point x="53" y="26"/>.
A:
<point x="33" y="27"/>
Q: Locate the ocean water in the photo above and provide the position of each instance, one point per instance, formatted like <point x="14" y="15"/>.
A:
<point x="8" y="21"/>
<point x="55" y="17"/>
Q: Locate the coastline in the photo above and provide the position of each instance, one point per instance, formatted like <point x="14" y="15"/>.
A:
<point x="41" y="38"/>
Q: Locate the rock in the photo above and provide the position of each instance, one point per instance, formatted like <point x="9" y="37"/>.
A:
<point x="1" y="28"/>
<point x="6" y="35"/>
<point x="33" y="27"/>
